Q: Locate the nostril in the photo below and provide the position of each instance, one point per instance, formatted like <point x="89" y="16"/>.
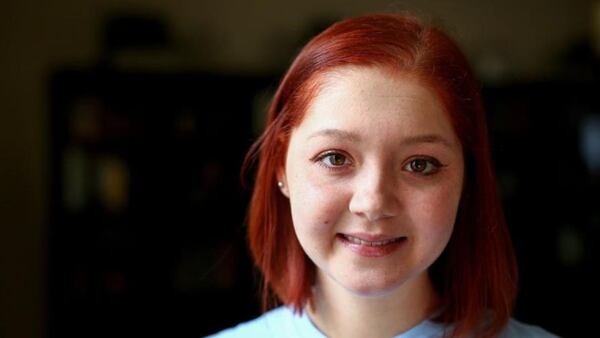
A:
<point x="373" y="204"/>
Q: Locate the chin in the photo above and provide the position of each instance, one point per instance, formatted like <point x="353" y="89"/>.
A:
<point x="373" y="288"/>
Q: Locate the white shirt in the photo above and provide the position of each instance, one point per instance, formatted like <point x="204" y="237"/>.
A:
<point x="283" y="323"/>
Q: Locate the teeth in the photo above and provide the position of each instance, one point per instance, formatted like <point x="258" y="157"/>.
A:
<point x="369" y="243"/>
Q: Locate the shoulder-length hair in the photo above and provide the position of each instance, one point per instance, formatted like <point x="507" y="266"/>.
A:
<point x="476" y="275"/>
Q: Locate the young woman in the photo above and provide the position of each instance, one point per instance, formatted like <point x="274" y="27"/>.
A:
<point x="375" y="212"/>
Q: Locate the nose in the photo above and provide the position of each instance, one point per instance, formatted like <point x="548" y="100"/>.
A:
<point x="375" y="195"/>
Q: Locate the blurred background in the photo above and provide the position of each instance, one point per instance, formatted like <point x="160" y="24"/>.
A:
<point x="123" y="125"/>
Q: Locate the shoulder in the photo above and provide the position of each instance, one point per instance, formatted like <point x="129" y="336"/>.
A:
<point x="513" y="329"/>
<point x="263" y="326"/>
<point x="279" y="322"/>
<point x="517" y="329"/>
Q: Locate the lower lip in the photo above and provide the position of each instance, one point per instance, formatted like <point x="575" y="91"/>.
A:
<point x="372" y="251"/>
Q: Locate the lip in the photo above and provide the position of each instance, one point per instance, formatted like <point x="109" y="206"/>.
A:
<point x="373" y="245"/>
<point x="370" y="237"/>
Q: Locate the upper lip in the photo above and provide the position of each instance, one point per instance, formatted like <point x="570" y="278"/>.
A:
<point x="371" y="237"/>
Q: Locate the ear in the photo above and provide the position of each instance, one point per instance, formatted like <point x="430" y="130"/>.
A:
<point x="282" y="184"/>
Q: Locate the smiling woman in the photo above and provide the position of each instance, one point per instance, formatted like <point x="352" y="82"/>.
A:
<point x="375" y="212"/>
<point x="373" y="195"/>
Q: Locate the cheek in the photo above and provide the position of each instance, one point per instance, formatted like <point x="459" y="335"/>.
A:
<point x="316" y="207"/>
<point x="435" y="211"/>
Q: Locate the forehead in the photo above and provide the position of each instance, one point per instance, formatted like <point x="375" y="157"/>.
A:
<point x="371" y="99"/>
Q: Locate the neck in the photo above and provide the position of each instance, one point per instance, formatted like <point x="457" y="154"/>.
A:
<point x="341" y="313"/>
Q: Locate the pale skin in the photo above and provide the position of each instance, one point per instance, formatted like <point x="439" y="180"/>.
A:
<point x="374" y="174"/>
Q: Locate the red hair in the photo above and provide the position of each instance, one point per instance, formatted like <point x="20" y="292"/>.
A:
<point x="476" y="275"/>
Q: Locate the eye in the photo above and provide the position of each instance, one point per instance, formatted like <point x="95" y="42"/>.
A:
<point x="333" y="160"/>
<point x="424" y="165"/>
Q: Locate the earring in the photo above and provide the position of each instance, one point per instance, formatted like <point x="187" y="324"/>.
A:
<point x="280" y="185"/>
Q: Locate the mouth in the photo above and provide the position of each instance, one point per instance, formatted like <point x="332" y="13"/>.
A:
<point x="371" y="246"/>
<point x="361" y="241"/>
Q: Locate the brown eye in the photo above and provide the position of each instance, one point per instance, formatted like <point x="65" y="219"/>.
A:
<point x="418" y="165"/>
<point x="423" y="166"/>
<point x="335" y="159"/>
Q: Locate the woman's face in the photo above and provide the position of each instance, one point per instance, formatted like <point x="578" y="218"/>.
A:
<point x="374" y="175"/>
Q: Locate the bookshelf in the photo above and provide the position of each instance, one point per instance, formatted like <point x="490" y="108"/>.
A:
<point x="146" y="232"/>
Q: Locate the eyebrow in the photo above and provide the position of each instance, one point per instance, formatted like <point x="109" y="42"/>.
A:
<point x="411" y="140"/>
<point x="337" y="133"/>
<point x="427" y="138"/>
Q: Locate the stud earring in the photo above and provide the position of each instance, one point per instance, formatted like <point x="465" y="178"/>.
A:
<point x="280" y="184"/>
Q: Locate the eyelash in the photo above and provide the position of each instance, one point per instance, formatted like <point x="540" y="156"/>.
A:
<point x="319" y="159"/>
<point x="430" y="161"/>
<point x="437" y="165"/>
